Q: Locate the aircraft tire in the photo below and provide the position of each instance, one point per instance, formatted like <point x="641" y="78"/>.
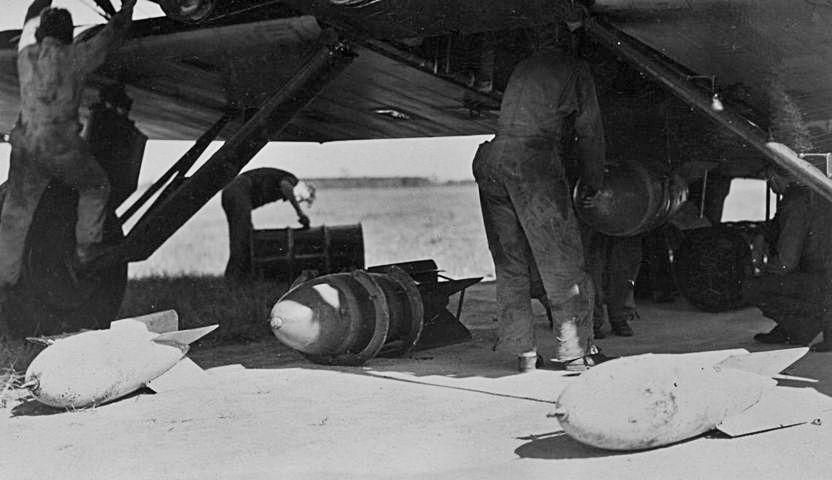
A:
<point x="50" y="298"/>
<point x="711" y="265"/>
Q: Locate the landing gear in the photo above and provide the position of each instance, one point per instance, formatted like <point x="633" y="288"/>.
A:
<point x="50" y="298"/>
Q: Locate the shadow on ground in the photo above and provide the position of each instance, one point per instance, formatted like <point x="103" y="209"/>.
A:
<point x="559" y="446"/>
<point x="663" y="328"/>
<point x="32" y="408"/>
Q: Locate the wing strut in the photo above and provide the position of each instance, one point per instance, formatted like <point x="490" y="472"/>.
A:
<point x="777" y="153"/>
<point x="106" y="6"/>
<point x="178" y="169"/>
<point x="159" y="223"/>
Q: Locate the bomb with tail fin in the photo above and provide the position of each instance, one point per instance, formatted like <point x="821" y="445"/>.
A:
<point x="647" y="401"/>
<point x="99" y="366"/>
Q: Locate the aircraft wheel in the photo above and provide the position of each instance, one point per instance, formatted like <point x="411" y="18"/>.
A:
<point x="49" y="299"/>
<point x="711" y="265"/>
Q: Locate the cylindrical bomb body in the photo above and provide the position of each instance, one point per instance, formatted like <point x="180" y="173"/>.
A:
<point x="633" y="200"/>
<point x="98" y="366"/>
<point x="647" y="401"/>
<point x="348" y="318"/>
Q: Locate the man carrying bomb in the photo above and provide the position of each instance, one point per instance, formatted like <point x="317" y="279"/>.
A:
<point x="526" y="202"/>
<point x="46" y="142"/>
<point x="250" y="190"/>
<point x="792" y="287"/>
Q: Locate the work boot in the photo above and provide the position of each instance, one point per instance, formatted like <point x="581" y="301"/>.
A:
<point x="528" y="361"/>
<point x="826" y="344"/>
<point x="777" y="335"/>
<point x="583" y="363"/>
<point x="620" y="325"/>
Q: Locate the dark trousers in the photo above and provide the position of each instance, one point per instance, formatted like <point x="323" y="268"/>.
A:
<point x="528" y="227"/>
<point x="657" y="244"/>
<point x="796" y="301"/>
<point x="34" y="162"/>
<point x="613" y="263"/>
<point x="237" y="207"/>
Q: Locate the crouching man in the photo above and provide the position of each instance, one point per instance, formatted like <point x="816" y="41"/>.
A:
<point x="791" y="287"/>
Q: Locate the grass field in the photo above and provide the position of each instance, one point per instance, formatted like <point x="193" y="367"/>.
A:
<point x="399" y="224"/>
<point x="442" y="222"/>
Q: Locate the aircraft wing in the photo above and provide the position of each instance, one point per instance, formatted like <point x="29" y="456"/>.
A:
<point x="767" y="61"/>
<point x="182" y="78"/>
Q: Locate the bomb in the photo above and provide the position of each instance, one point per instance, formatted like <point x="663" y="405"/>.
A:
<point x="647" y="401"/>
<point x="98" y="366"/>
<point x="386" y="310"/>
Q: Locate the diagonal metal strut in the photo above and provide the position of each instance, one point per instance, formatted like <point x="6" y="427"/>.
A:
<point x="158" y="224"/>
<point x="777" y="153"/>
<point x="178" y="169"/>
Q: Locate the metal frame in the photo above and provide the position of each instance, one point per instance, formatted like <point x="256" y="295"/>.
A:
<point x="172" y="211"/>
<point x="677" y="83"/>
<point x="179" y="169"/>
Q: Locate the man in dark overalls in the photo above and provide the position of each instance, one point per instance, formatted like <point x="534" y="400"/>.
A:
<point x="46" y="141"/>
<point x="792" y="289"/>
<point x="614" y="263"/>
<point x="250" y="190"/>
<point x="526" y="203"/>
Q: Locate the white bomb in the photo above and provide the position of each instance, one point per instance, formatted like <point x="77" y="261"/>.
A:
<point x="647" y="401"/>
<point x="98" y="366"/>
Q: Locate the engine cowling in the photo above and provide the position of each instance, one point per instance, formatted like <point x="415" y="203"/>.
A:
<point x="191" y="11"/>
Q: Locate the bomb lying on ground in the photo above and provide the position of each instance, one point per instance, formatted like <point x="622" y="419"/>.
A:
<point x="98" y="366"/>
<point x="664" y="399"/>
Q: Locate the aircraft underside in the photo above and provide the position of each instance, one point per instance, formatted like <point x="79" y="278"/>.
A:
<point x="329" y="70"/>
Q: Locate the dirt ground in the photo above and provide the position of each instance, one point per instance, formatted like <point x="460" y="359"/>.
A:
<point x="458" y="411"/>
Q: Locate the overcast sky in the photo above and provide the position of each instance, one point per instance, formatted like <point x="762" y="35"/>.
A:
<point x="440" y="158"/>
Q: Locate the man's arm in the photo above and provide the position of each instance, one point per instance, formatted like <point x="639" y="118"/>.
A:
<point x="92" y="52"/>
<point x="589" y="130"/>
<point x="31" y="23"/>
<point x="288" y="191"/>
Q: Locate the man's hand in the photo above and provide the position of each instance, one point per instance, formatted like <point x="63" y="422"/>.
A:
<point x="304" y="220"/>
<point x="758" y="252"/>
<point x="593" y="180"/>
<point x="591" y="201"/>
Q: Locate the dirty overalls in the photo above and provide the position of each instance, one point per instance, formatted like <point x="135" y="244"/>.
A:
<point x="250" y="190"/>
<point x="526" y="203"/>
<point x="797" y="299"/>
<point x="46" y="142"/>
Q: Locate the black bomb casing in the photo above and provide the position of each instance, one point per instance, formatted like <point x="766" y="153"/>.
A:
<point x="350" y="318"/>
<point x="632" y="200"/>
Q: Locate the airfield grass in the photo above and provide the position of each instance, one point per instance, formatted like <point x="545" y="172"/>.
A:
<point x="439" y="222"/>
<point x="240" y="310"/>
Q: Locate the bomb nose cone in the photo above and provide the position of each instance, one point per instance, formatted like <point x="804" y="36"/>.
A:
<point x="308" y="318"/>
<point x="560" y="413"/>
<point x="294" y="324"/>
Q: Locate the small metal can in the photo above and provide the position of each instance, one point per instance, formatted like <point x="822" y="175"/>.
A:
<point x="527" y="361"/>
